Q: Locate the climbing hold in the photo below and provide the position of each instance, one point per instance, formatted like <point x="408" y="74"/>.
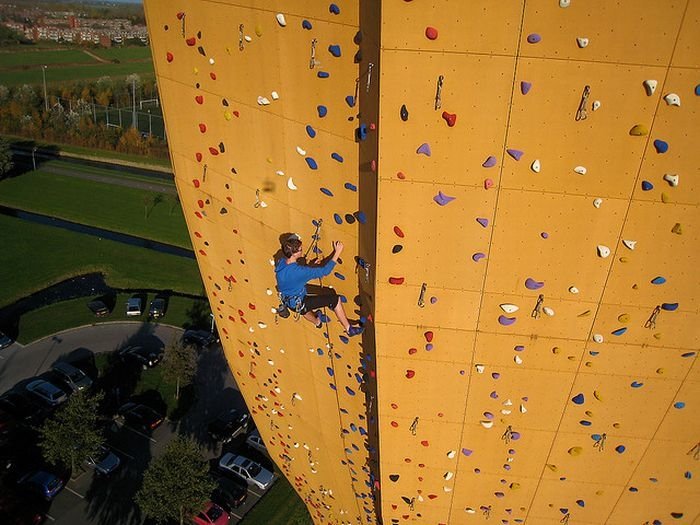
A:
<point x="322" y="111"/>
<point x="564" y="3"/>
<point x="597" y="338"/>
<point x="509" y="308"/>
<point x="431" y="33"/>
<point x="410" y="374"/>
<point x="639" y="130"/>
<point x="506" y="321"/>
<point x="443" y="199"/>
<point x="677" y="229"/>
<point x="394" y="477"/>
<point x="334" y="50"/>
<point x="544" y="235"/>
<point x="169" y="56"/>
<point x="578" y="399"/>
<point x="535" y="166"/>
<point x="350" y="186"/>
<point x="650" y="86"/>
<point x="487" y="424"/>
<point x="361" y="217"/>
<point x="671" y="178"/>
<point x="404" y="112"/>
<point x="311" y="163"/>
<point x="323" y="74"/>
<point x="596" y="105"/>
<point x="525" y="87"/>
<point x="669" y="307"/>
<point x="202" y="128"/>
<point x="263" y="101"/>
<point x="531" y="284"/>
<point x="619" y="331"/>
<point x="629" y="244"/>
<point x="478" y="256"/>
<point x="396" y="280"/>
<point x="488" y="183"/>
<point x="548" y="311"/>
<point x="533" y="38"/>
<point x="336" y="157"/>
<point x="191" y="41"/>
<point x="664" y="197"/>
<point x="679" y="405"/>
<point x="620" y="449"/>
<point x="326" y="191"/>
<point x="281" y="20"/>
<point x="597" y="202"/>
<point x="483" y="221"/>
<point x="424" y="149"/>
<point x="399" y="233"/>
<point x="581" y="170"/>
<point x="646" y="185"/>
<point x="581" y="42"/>
<point x="361" y="133"/>
<point x="311" y="132"/>
<point x="575" y="451"/>
<point x="350" y="101"/>
<point x="660" y="146"/>
<point x="672" y="99"/>
<point x="450" y="118"/>
<point x="349" y="218"/>
<point x="334" y="9"/>
<point x="290" y="184"/>
<point x="603" y="251"/>
<point x="515" y="153"/>
<point x="490" y="162"/>
<point x="658" y="280"/>
<point x="429" y="336"/>
<point x="573" y="290"/>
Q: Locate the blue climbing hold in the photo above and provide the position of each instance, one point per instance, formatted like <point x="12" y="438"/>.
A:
<point x="620" y="449"/>
<point x="311" y="132"/>
<point x="344" y="339"/>
<point x="337" y="157"/>
<point x="360" y="215"/>
<point x="688" y="475"/>
<point x="330" y="371"/>
<point x="579" y="399"/>
<point x="697" y="90"/>
<point x="306" y="24"/>
<point x="646" y="185"/>
<point x="343" y="299"/>
<point x="319" y="351"/>
<point x="311" y="162"/>
<point x="322" y="111"/>
<point x="350" y="101"/>
<point x="669" y="307"/>
<point x="596" y="437"/>
<point x="332" y="386"/>
<point x="350" y="186"/>
<point x="361" y="132"/>
<point x="619" y="331"/>
<point x="585" y="423"/>
<point x="636" y="384"/>
<point x="660" y="146"/>
<point x="580" y="503"/>
<point x="350" y="391"/>
<point x="337" y="218"/>
<point x="688" y="354"/>
<point x="339" y="275"/>
<point x="323" y="74"/>
<point x="334" y="50"/>
<point x="326" y="191"/>
<point x="658" y="280"/>
<point x="679" y="405"/>
<point x="334" y="9"/>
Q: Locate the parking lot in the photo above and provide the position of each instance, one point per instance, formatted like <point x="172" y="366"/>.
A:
<point x="89" y="498"/>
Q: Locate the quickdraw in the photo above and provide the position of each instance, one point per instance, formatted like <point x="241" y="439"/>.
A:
<point x="241" y="38"/>
<point x="414" y="426"/>
<point x="312" y="61"/>
<point x="421" y="297"/>
<point x="438" y="93"/>
<point x="581" y="112"/>
<point x="370" y="67"/>
<point x="538" y="307"/>
<point x="651" y="322"/>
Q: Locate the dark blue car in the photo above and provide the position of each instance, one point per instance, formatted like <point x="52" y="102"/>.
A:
<point x="42" y="483"/>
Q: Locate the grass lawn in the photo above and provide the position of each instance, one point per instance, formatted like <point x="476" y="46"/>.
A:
<point x="99" y="204"/>
<point x="23" y="58"/>
<point x="36" y="256"/>
<point x="124" y="53"/>
<point x="281" y="506"/>
<point x="94" y="70"/>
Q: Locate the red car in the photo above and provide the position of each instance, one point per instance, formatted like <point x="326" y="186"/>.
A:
<point x="212" y="515"/>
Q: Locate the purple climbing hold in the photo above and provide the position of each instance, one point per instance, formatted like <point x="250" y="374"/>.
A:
<point x="323" y="74"/>
<point x="660" y="146"/>
<point x="515" y="153"/>
<point x="518" y="348"/>
<point x="306" y="24"/>
<point x="533" y="38"/>
<point x="433" y="300"/>
<point x="322" y="111"/>
<point x="311" y="132"/>
<point x="544" y="235"/>
<point x="326" y="191"/>
<point x="579" y="399"/>
<point x="646" y="185"/>
<point x="636" y="384"/>
<point x="490" y="162"/>
<point x="350" y="101"/>
<point x="483" y="221"/>
<point x="334" y="9"/>
<point x="488" y="415"/>
<point x="525" y="87"/>
<point x="443" y="199"/>
<point x="495" y="375"/>
<point x="334" y="50"/>
<point x="478" y="256"/>
<point x="493" y="395"/>
<point x="424" y="149"/>
<point x="467" y="452"/>
<point x="531" y="284"/>
<point x="337" y="157"/>
<point x="515" y="436"/>
<point x="350" y="186"/>
<point x="506" y="321"/>
<point x="311" y="162"/>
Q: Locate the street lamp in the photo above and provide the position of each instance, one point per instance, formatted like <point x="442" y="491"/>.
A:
<point x="33" y="157"/>
<point x="46" y="98"/>
<point x="212" y="323"/>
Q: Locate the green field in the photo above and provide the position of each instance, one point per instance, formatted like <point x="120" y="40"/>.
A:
<point x="36" y="256"/>
<point x="94" y="70"/>
<point x="281" y="506"/>
<point x="24" y="58"/>
<point x="124" y="53"/>
<point x="99" y="204"/>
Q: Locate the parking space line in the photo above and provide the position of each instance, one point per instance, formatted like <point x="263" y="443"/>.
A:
<point x="50" y="517"/>
<point x="74" y="492"/>
<point x="236" y="515"/>
<point x="255" y="493"/>
<point x="122" y="452"/>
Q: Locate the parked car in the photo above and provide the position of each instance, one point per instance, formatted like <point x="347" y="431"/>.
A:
<point x="104" y="461"/>
<point x="200" y="338"/>
<point x="157" y="308"/>
<point x="140" y="416"/>
<point x="230" y="493"/>
<point x="41" y="483"/>
<point x="212" y="515"/>
<point x="72" y="376"/>
<point x="246" y="469"/>
<point x="254" y="441"/>
<point x="99" y="308"/>
<point x="5" y="341"/>
<point x="7" y="426"/>
<point x="133" y="306"/>
<point x="146" y="357"/>
<point x="228" y="426"/>
<point x="23" y="408"/>
<point x="47" y="392"/>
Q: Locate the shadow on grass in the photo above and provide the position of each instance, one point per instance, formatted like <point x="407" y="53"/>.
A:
<point x="26" y="155"/>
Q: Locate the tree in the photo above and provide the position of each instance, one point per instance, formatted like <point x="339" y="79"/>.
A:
<point x="6" y="163"/>
<point x="177" y="484"/>
<point x="179" y="364"/>
<point x="174" y="202"/>
<point x="72" y="434"/>
<point x="148" y="200"/>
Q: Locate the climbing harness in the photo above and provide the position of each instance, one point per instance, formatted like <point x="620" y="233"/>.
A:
<point x="651" y="322"/>
<point x="312" y="61"/>
<point x="438" y="93"/>
<point x="536" y="311"/>
<point x="600" y="442"/>
<point x="414" y="426"/>
<point x="581" y="112"/>
<point x="370" y="67"/>
<point x="421" y="297"/>
<point x="241" y="38"/>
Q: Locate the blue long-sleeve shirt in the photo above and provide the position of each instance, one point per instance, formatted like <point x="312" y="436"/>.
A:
<point x="292" y="278"/>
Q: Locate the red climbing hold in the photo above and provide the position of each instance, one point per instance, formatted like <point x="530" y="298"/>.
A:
<point x="169" y="56"/>
<point x="235" y="112"/>
<point x="373" y="165"/>
<point x="394" y="424"/>
<point x="396" y="280"/>
<point x="410" y="374"/>
<point x="199" y="99"/>
<point x="202" y="128"/>
<point x="191" y="41"/>
<point x="198" y="235"/>
<point x="431" y="33"/>
<point x="198" y="156"/>
<point x="412" y="351"/>
<point x="212" y="75"/>
<point x="202" y="252"/>
<point x="200" y="203"/>
<point x="450" y="118"/>
<point x="181" y="15"/>
<point x="400" y="175"/>
<point x="425" y="443"/>
<point x="398" y="231"/>
<point x="195" y="182"/>
<point x="488" y="183"/>
<point x="428" y="336"/>
<point x="213" y="151"/>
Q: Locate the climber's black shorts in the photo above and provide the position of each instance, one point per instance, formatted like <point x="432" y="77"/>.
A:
<point x="327" y="298"/>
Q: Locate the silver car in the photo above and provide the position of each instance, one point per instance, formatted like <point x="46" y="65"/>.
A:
<point x="247" y="469"/>
<point x="73" y="377"/>
<point x="256" y="442"/>
<point x="47" y="392"/>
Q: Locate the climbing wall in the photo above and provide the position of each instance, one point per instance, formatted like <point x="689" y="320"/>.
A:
<point x="517" y="187"/>
<point x="536" y="304"/>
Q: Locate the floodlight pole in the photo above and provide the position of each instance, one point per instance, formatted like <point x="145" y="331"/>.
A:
<point x="46" y="98"/>
<point x="33" y="157"/>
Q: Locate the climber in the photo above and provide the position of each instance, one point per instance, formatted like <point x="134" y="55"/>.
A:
<point x="292" y="279"/>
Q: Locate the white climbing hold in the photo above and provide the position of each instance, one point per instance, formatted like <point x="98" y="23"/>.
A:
<point x="274" y="95"/>
<point x="280" y="19"/>
<point x="581" y="42"/>
<point x="522" y="409"/>
<point x="564" y="3"/>
<point x="480" y="369"/>
<point x="263" y="204"/>
<point x="518" y="360"/>
<point x="268" y="291"/>
<point x="508" y="403"/>
<point x="211" y="61"/>
<point x="597" y="202"/>
<point x="573" y="290"/>
<point x="509" y="308"/>
<point x="598" y="338"/>
<point x="261" y="324"/>
<point x="290" y="184"/>
<point x="650" y="86"/>
<point x="506" y="412"/>
<point x="535" y="166"/>
<point x="301" y="151"/>
<point x="603" y="251"/>
<point x="247" y="38"/>
<point x="280" y="173"/>
<point x="263" y="101"/>
<point x="629" y="244"/>
<point x="672" y="99"/>
<point x="487" y="424"/>
<point x="581" y="170"/>
<point x="470" y="510"/>
<point x="548" y="311"/>
<point x="448" y="475"/>
<point x="447" y="489"/>
<point x="596" y="105"/>
<point x="451" y="454"/>
<point x="297" y="397"/>
<point x="671" y="178"/>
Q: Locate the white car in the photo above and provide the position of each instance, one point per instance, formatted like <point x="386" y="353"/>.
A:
<point x="256" y="442"/>
<point x="47" y="392"/>
<point x="247" y="469"/>
<point x="133" y="307"/>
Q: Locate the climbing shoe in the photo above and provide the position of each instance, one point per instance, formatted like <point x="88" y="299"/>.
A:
<point x="355" y="330"/>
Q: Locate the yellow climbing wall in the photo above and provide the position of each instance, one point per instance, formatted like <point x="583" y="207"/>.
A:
<point x="516" y="184"/>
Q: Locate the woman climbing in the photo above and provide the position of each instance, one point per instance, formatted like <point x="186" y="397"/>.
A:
<point x="293" y="277"/>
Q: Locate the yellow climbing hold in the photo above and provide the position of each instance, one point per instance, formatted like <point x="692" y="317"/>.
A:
<point x="639" y="130"/>
<point x="575" y="451"/>
<point x="514" y="486"/>
<point x="588" y="364"/>
<point x="551" y="467"/>
<point x="657" y="336"/>
<point x="597" y="395"/>
<point x="616" y="425"/>
<point x="585" y="314"/>
<point x="599" y="492"/>
<point x="195" y="70"/>
<point x="588" y="413"/>
<point x="571" y="358"/>
<point x="623" y="259"/>
<point x="677" y="229"/>
<point x="664" y="198"/>
<point x="623" y="318"/>
<point x="635" y="286"/>
<point x="660" y="371"/>
<point x="228" y="115"/>
<point x="555" y="350"/>
<point x="228" y="49"/>
<point x="258" y="29"/>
